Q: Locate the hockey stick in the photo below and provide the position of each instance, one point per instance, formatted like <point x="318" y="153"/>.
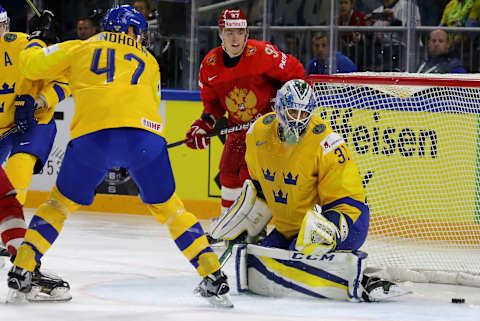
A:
<point x="223" y="131"/>
<point x="8" y="132"/>
<point x="34" y="8"/>
<point x="228" y="251"/>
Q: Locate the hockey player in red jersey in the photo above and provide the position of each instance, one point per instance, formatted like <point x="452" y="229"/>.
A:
<point x="240" y="78"/>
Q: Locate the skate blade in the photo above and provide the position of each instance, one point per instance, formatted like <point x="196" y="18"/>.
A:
<point x="59" y="294"/>
<point x="221" y="301"/>
<point x="16" y="297"/>
<point x="378" y="295"/>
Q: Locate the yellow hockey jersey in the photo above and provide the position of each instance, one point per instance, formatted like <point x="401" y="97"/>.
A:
<point x="318" y="169"/>
<point x="115" y="82"/>
<point x="13" y="83"/>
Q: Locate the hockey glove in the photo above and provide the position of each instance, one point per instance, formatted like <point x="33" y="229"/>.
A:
<point x="25" y="107"/>
<point x="44" y="28"/>
<point x="318" y="235"/>
<point x="197" y="135"/>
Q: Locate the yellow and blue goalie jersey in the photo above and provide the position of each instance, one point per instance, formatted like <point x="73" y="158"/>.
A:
<point x="13" y="83"/>
<point x="318" y="169"/>
<point x="115" y="82"/>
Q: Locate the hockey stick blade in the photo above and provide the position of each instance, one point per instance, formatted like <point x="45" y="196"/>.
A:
<point x="223" y="131"/>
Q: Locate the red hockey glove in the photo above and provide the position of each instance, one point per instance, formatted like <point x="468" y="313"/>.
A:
<point x="197" y="135"/>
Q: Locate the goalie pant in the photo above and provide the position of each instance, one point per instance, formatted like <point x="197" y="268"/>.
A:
<point x="12" y="221"/>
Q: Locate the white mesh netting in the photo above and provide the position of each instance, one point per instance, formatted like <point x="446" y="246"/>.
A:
<point x="416" y="141"/>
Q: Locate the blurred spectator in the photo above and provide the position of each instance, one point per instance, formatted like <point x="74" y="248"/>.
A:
<point x="292" y="44"/>
<point x="461" y="13"/>
<point x="431" y="11"/>
<point x="440" y="60"/>
<point x="388" y="46"/>
<point x="315" y="13"/>
<point x="286" y="12"/>
<point x="153" y="32"/>
<point x="349" y="17"/>
<point x="319" y="64"/>
<point x="392" y="13"/>
<point x="143" y="6"/>
<point x="86" y="28"/>
<point x="97" y="16"/>
<point x="367" y="5"/>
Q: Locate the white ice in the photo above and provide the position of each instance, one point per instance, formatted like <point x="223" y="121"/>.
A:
<point x="126" y="268"/>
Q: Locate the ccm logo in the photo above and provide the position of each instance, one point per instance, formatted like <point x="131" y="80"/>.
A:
<point x="301" y="256"/>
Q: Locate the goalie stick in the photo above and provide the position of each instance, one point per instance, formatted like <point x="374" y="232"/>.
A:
<point x="228" y="251"/>
<point x="223" y="131"/>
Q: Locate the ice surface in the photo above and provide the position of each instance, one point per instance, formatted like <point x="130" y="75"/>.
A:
<point x="126" y="268"/>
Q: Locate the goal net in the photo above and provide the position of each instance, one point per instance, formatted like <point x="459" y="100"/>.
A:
<point x="416" y="141"/>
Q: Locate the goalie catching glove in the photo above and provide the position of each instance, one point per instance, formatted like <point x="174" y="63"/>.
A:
<point x="249" y="213"/>
<point x="318" y="235"/>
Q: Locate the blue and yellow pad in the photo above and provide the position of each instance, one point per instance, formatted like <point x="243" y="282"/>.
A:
<point x="279" y="272"/>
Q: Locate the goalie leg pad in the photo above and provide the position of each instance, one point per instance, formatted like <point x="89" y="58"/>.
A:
<point x="278" y="272"/>
<point x="248" y="213"/>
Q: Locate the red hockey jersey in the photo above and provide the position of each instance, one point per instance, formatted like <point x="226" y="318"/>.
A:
<point x="247" y="89"/>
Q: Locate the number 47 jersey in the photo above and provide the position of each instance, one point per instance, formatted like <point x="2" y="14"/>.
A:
<point x="115" y="81"/>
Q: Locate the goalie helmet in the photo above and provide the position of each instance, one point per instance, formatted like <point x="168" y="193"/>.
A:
<point x="4" y="20"/>
<point x="294" y="106"/>
<point x="121" y="18"/>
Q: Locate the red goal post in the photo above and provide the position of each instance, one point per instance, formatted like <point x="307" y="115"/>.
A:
<point x="416" y="141"/>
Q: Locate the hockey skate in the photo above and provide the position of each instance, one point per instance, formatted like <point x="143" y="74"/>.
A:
<point x="48" y="287"/>
<point x="42" y="287"/>
<point x="20" y="285"/>
<point x="376" y="289"/>
<point x="215" y="289"/>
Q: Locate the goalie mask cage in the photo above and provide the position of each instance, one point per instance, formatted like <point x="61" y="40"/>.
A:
<point x="416" y="141"/>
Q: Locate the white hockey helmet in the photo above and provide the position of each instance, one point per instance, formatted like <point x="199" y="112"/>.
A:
<point x="4" y="21"/>
<point x="294" y="106"/>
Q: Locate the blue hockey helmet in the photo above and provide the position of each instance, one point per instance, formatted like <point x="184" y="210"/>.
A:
<point x="4" y="20"/>
<point x="119" y="19"/>
<point x="294" y="106"/>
